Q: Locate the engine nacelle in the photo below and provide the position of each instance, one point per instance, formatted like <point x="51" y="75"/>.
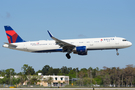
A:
<point x="80" y="50"/>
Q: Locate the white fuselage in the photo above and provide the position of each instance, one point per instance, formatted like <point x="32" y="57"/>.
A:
<point x="90" y="43"/>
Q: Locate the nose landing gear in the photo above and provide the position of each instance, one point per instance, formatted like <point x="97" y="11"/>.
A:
<point x="117" y="52"/>
<point x="68" y="56"/>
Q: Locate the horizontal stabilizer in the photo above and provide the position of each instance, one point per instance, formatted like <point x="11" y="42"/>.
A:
<point x="10" y="45"/>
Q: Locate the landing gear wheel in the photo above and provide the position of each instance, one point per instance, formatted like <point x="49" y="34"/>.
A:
<point x="68" y="56"/>
<point x="117" y="52"/>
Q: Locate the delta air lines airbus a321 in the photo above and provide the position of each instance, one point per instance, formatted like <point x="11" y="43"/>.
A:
<point x="77" y="46"/>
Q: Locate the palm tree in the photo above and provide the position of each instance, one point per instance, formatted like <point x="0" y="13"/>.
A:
<point x="49" y="80"/>
<point x="22" y="78"/>
<point x="34" y="80"/>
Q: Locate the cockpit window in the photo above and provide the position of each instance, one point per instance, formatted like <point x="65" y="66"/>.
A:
<point x="124" y="40"/>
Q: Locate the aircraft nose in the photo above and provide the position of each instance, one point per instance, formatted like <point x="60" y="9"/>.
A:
<point x="130" y="44"/>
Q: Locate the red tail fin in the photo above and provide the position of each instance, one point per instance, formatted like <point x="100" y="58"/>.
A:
<point x="12" y="36"/>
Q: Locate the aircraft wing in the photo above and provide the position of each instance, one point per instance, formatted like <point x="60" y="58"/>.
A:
<point x="66" y="46"/>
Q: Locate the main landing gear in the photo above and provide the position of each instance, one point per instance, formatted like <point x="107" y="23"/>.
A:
<point x="68" y="56"/>
<point x="117" y="52"/>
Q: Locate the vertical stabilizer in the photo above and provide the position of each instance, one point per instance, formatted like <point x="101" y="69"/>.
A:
<point x="12" y="36"/>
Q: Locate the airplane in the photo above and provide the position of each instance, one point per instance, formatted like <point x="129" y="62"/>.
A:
<point x="77" y="46"/>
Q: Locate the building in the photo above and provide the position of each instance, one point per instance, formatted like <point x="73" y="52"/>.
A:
<point x="1" y="77"/>
<point x="56" y="80"/>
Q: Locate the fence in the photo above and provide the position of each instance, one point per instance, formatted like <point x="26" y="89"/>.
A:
<point x="68" y="86"/>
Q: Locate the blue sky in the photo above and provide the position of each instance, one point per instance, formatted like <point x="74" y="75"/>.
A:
<point x="67" y="19"/>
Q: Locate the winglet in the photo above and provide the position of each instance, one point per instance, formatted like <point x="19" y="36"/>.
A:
<point x="50" y="34"/>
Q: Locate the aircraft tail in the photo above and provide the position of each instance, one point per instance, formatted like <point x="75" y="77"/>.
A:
<point x="12" y="36"/>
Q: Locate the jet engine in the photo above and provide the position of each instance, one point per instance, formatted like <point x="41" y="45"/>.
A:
<point x="80" y="50"/>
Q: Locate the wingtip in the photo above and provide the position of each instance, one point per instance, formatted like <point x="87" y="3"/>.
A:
<point x="49" y="33"/>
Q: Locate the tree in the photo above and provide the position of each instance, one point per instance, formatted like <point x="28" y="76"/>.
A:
<point x="50" y="72"/>
<point x="106" y="80"/>
<point x="90" y="68"/>
<point x="86" y="81"/>
<point x="98" y="80"/>
<point x="81" y="75"/>
<point x="64" y="70"/>
<point x="39" y="71"/>
<point x="69" y="69"/>
<point x="28" y="70"/>
<point x="33" y="80"/>
<point x="15" y="81"/>
<point x="49" y="80"/>
<point x="6" y="80"/>
<point x="94" y="71"/>
<point x="24" y="68"/>
<point x="84" y="70"/>
<point x="56" y="71"/>
<point x="45" y="69"/>
<point x="22" y="78"/>
<point x="71" y="74"/>
<point x="9" y="72"/>
<point x="118" y="77"/>
<point x="2" y="72"/>
<point x="113" y="75"/>
<point x="129" y="72"/>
